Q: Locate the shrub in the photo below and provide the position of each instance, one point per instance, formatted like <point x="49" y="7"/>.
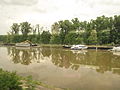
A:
<point x="9" y="81"/>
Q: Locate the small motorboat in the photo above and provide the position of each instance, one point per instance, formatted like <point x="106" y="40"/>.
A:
<point x="78" y="47"/>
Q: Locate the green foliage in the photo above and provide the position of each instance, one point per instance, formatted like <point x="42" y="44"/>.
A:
<point x="115" y="32"/>
<point x="76" y="24"/>
<point x="45" y="37"/>
<point x="65" y="27"/>
<point x="15" y="28"/>
<point x="55" y="28"/>
<point x="9" y="81"/>
<point x="55" y="39"/>
<point x="69" y="32"/>
<point x="70" y="38"/>
<point x="79" y="40"/>
<point x="3" y="38"/>
<point x="92" y="39"/>
<point x="17" y="38"/>
<point x="104" y="37"/>
<point x="25" y="28"/>
<point x="32" y="38"/>
<point x="30" y="83"/>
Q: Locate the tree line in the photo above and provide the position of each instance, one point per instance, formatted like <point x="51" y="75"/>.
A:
<point x="102" y="30"/>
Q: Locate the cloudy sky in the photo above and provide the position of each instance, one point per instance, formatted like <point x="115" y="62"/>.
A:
<point x="46" y="12"/>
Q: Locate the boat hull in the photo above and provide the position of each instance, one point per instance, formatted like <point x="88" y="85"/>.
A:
<point x="22" y="45"/>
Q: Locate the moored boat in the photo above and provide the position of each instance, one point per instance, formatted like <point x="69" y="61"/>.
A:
<point x="116" y="49"/>
<point x="78" y="47"/>
<point x="22" y="45"/>
<point x="25" y="44"/>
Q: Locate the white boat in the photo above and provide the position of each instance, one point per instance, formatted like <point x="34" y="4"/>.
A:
<point x="116" y="49"/>
<point x="78" y="47"/>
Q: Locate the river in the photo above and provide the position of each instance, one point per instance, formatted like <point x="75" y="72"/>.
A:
<point x="65" y="68"/>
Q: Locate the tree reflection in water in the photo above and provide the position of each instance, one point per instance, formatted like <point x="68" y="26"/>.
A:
<point x="26" y="55"/>
<point x="100" y="60"/>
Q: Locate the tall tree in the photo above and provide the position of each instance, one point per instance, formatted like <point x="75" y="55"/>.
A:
<point x="25" y="28"/>
<point x="65" y="28"/>
<point x="55" y="28"/>
<point x="76" y="24"/>
<point x="115" y="32"/>
<point x="15" y="28"/>
<point x="92" y="39"/>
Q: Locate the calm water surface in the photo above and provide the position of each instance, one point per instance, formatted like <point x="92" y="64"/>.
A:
<point x="64" y="68"/>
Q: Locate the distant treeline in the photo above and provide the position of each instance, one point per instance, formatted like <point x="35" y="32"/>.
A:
<point x="102" y="30"/>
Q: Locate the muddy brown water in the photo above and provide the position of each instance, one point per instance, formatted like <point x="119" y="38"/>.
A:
<point x="65" y="68"/>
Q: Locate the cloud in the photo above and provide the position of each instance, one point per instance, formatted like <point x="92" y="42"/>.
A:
<point x="18" y="2"/>
<point x="46" y="12"/>
<point x="93" y="3"/>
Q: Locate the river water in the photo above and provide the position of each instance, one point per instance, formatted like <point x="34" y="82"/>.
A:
<point x="65" y="68"/>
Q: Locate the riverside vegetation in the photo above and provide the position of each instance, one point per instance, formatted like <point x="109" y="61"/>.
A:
<point x="102" y="30"/>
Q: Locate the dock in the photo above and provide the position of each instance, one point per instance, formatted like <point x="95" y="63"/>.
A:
<point x="100" y="47"/>
<point x="93" y="47"/>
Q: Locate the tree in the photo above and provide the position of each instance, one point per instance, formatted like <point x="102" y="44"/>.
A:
<point x="55" y="28"/>
<point x="15" y="28"/>
<point x="115" y="32"/>
<point x="33" y="30"/>
<point x="39" y="29"/>
<point x="75" y="24"/>
<point x="9" y="38"/>
<point x="100" y="25"/>
<point x="55" y="39"/>
<point x="92" y="39"/>
<point x="45" y="37"/>
<point x="65" y="28"/>
<point x="25" y="28"/>
<point x="70" y="38"/>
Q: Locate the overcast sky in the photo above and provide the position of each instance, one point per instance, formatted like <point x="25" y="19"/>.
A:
<point x="46" y="12"/>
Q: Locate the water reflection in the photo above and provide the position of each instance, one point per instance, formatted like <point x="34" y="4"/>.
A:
<point x="26" y="56"/>
<point x="116" y="53"/>
<point x="101" y="61"/>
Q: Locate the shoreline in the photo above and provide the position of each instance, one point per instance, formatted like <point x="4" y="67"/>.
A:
<point x="102" y="47"/>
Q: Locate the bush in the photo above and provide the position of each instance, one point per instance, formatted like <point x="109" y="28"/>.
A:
<point x="45" y="37"/>
<point x="9" y="81"/>
<point x="55" y="39"/>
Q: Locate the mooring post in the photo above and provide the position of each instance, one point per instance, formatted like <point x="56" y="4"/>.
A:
<point x="96" y="47"/>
